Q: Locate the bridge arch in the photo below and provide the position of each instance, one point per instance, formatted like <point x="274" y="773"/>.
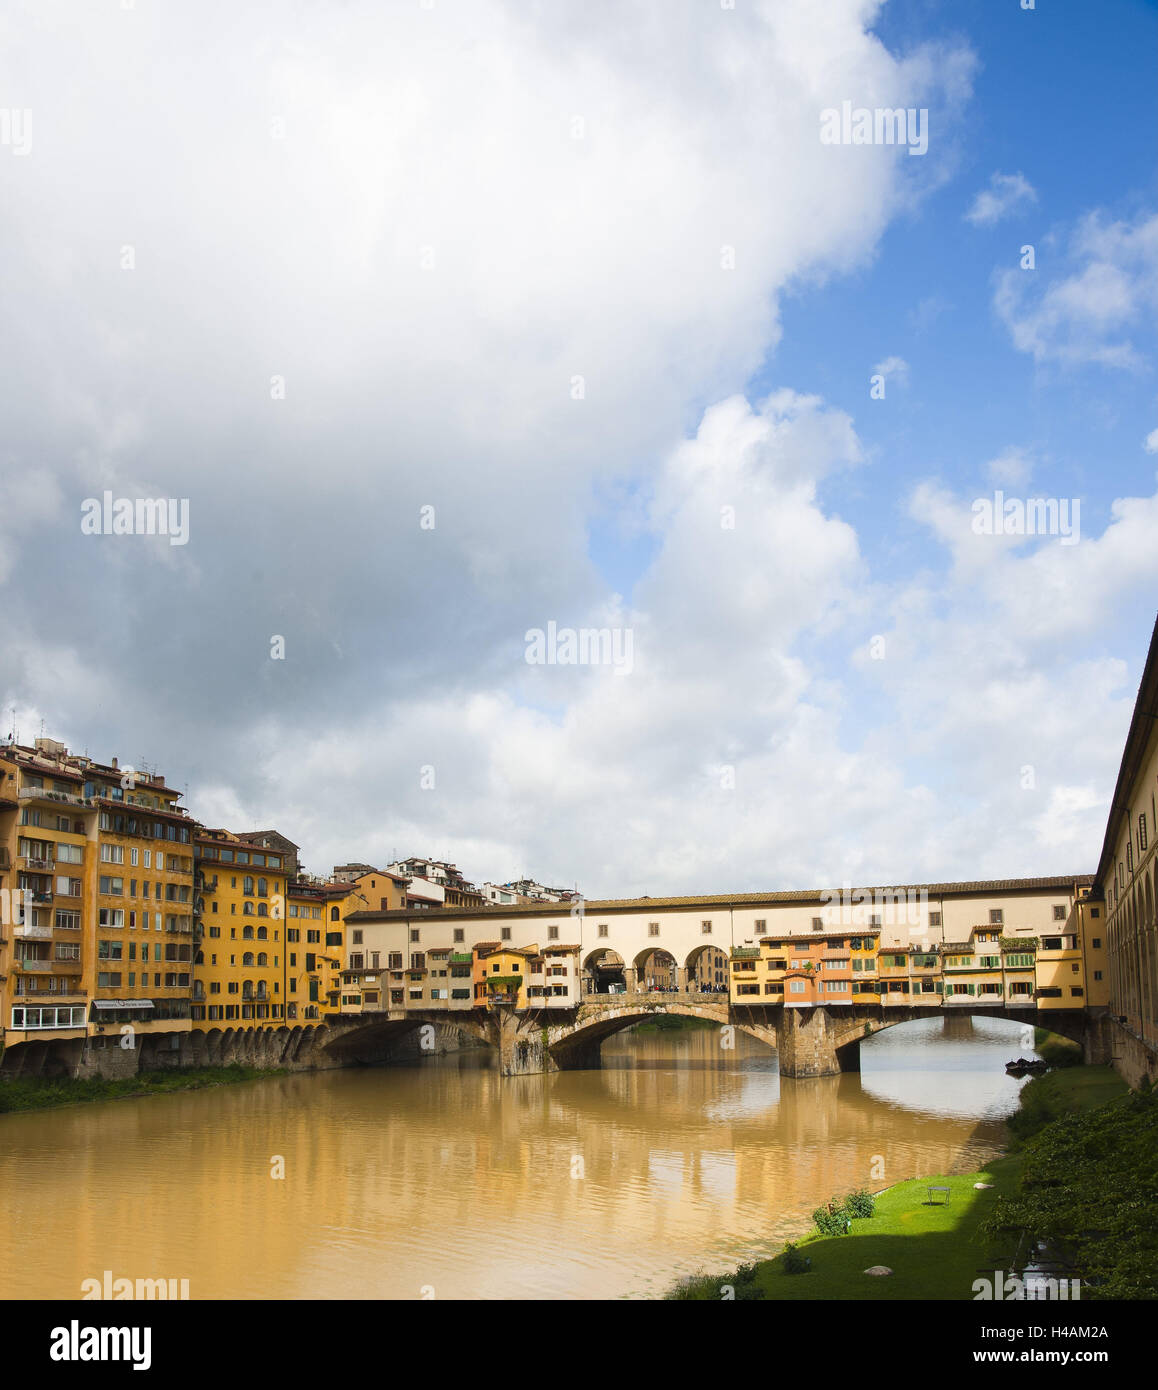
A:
<point x="656" y="969"/>
<point x="1066" y="1023"/>
<point x="602" y="969"/>
<point x="706" y="969"/>
<point x="577" y="1044"/>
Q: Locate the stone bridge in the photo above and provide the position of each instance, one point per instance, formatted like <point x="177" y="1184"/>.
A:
<point x="809" y="1042"/>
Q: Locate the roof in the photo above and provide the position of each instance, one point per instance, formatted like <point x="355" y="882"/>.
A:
<point x="1141" y="728"/>
<point x="597" y="907"/>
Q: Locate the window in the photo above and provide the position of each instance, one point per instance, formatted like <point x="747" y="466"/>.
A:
<point x="356" y="937"/>
<point x="413" y="933"/>
<point x="796" y="986"/>
<point x="1096" y="943"/>
<point x="112" y="887"/>
<point x="1059" y="913"/>
<point x="934" y="919"/>
<point x="1142" y="833"/>
<point x="70" y="854"/>
<point x="506" y="933"/>
<point x="996" y="917"/>
<point x="111" y="917"/>
<point x="334" y="915"/>
<point x="112" y="854"/>
<point x="552" y="933"/>
<point x="817" y="924"/>
<point x="761" y="924"/>
<point x="705" y="928"/>
<point x="603" y="929"/>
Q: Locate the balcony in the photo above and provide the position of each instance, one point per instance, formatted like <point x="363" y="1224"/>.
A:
<point x="30" y="933"/>
<point x="36" y="865"/>
<point x="40" y="967"/>
<point x="61" y="798"/>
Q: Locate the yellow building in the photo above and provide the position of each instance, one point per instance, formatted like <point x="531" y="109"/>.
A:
<point x="306" y="970"/>
<point x="500" y="975"/>
<point x="241" y="965"/>
<point x="1060" y="968"/>
<point x="101" y="939"/>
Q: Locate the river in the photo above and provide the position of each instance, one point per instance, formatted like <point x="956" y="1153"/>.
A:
<point x="443" y="1179"/>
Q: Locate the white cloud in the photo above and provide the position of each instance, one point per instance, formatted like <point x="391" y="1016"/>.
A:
<point x="894" y="368"/>
<point x="1013" y="467"/>
<point x="1006" y="194"/>
<point x="1151" y="444"/>
<point x="1088" y="314"/>
<point x="553" y="257"/>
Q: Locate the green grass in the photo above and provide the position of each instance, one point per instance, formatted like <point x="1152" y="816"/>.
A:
<point x="1057" y="1051"/>
<point x="1068" y="1092"/>
<point x="935" y="1251"/>
<point x="40" y="1093"/>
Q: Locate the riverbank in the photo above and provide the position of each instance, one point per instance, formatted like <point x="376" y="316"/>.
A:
<point x="43" y="1093"/>
<point x="936" y="1243"/>
<point x="673" y="1023"/>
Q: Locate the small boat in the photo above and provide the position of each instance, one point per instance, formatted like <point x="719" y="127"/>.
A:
<point x="1025" y="1066"/>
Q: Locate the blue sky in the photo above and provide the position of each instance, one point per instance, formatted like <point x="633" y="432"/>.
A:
<point x="927" y="295"/>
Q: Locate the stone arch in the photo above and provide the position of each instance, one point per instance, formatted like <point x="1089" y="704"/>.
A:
<point x="577" y="1044"/>
<point x="706" y="968"/>
<point x="602" y="969"/>
<point x="656" y="969"/>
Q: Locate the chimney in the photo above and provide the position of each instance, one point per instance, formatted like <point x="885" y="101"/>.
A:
<point x="114" y="765"/>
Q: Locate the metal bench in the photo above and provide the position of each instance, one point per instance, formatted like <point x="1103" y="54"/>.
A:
<point x="947" y="1191"/>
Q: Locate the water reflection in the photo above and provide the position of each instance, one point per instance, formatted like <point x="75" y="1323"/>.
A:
<point x="677" y="1155"/>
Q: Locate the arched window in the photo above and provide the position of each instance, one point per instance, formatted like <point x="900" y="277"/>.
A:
<point x="334" y="915"/>
<point x="247" y="933"/>
<point x="247" y="959"/>
<point x="262" y="910"/>
<point x="262" y="888"/>
<point x="262" y="958"/>
<point x="248" y="884"/>
<point x="263" y="933"/>
<point x="247" y="910"/>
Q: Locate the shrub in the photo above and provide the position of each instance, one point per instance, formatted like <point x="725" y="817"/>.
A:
<point x="794" y="1261"/>
<point x="832" y="1220"/>
<point x="859" y="1203"/>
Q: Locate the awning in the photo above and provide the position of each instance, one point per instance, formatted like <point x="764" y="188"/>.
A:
<point x="122" y="1003"/>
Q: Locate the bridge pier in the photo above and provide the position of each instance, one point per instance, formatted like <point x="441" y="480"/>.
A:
<point x="522" y="1046"/>
<point x="806" y="1044"/>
